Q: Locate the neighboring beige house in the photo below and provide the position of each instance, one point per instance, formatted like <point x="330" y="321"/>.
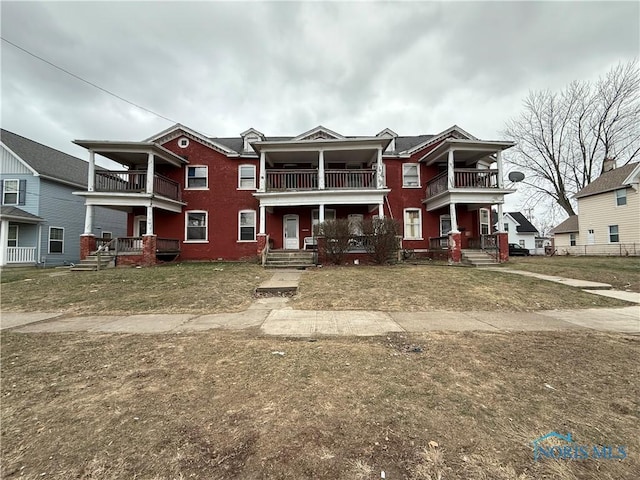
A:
<point x="608" y="220"/>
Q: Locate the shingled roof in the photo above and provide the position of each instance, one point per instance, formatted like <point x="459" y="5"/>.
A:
<point x="47" y="161"/>
<point x="570" y="225"/>
<point x="608" y="181"/>
<point x="15" y="213"/>
<point x="525" y="226"/>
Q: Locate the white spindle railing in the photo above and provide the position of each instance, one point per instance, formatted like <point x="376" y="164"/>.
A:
<point x="21" y="254"/>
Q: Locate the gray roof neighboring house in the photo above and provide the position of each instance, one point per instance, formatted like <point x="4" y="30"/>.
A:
<point x="17" y="214"/>
<point x="608" y="181"/>
<point x="48" y="162"/>
<point x="570" y="225"/>
<point x="525" y="226"/>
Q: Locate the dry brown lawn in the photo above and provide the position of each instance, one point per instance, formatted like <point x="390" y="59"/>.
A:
<point x="428" y="287"/>
<point x="222" y="405"/>
<point x="621" y="272"/>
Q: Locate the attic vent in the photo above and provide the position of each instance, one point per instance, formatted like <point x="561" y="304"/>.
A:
<point x="183" y="142"/>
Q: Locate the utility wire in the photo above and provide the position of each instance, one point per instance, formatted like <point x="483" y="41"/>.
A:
<point x="87" y="81"/>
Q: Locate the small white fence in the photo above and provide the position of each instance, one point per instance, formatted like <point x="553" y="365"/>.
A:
<point x="602" y="249"/>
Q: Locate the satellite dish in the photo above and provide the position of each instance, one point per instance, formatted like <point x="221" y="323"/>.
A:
<point x="516" y="177"/>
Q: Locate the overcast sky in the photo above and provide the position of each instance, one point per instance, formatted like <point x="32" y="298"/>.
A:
<point x="283" y="68"/>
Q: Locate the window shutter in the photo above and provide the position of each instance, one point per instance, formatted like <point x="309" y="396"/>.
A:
<point x="22" y="192"/>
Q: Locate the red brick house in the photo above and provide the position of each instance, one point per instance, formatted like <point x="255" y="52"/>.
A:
<point x="210" y="198"/>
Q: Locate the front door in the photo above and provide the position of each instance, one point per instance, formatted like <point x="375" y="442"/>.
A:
<point x="291" y="232"/>
<point x="139" y="226"/>
<point x="445" y="228"/>
<point x="591" y="237"/>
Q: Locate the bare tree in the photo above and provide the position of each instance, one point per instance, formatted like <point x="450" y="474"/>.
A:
<point x="563" y="138"/>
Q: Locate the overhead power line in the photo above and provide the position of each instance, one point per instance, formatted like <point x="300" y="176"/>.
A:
<point x="87" y="81"/>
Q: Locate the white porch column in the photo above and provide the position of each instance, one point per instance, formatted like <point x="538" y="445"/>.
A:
<point x="321" y="169"/>
<point x="91" y="181"/>
<point x="500" y="219"/>
<point x="451" y="174"/>
<point x="150" y="221"/>
<point x="321" y="213"/>
<point x="4" y="241"/>
<point x="150" y="176"/>
<point x="88" y="220"/>
<point x="262" y="185"/>
<point x="263" y="220"/>
<point x="381" y="210"/>
<point x="379" y="170"/>
<point x="454" y="218"/>
<point x="499" y="162"/>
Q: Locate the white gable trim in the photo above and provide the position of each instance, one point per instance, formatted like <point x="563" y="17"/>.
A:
<point x="436" y="138"/>
<point x="178" y="130"/>
<point x="254" y="131"/>
<point x="17" y="157"/>
<point x="387" y="131"/>
<point x="318" y="129"/>
<point x="633" y="178"/>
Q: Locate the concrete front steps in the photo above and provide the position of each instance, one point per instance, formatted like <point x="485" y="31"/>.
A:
<point x="477" y="258"/>
<point x="289" y="259"/>
<point x="90" y="264"/>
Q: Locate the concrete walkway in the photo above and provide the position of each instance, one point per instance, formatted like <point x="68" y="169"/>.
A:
<point x="274" y="317"/>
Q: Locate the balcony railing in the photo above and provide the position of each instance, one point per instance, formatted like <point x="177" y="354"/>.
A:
<point x="463" y="178"/>
<point x="135" y="181"/>
<point x="134" y="245"/>
<point x="21" y="254"/>
<point x="307" y="179"/>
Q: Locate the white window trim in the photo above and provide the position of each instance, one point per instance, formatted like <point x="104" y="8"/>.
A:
<point x="573" y="240"/>
<point x="186" y="180"/>
<point x="255" y="218"/>
<point x="417" y="165"/>
<point x="4" y="190"/>
<point x="487" y="223"/>
<point x="617" y="233"/>
<point x="49" y="252"/>
<point x="206" y="225"/>
<point x="624" y="190"/>
<point x="240" y="178"/>
<point x="184" y="140"/>
<point x="17" y="239"/>
<point x="404" y="223"/>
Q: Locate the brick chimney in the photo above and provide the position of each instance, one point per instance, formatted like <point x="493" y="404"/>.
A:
<point x="608" y="164"/>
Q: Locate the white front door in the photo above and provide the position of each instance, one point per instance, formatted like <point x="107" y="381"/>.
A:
<point x="445" y="228"/>
<point x="291" y="232"/>
<point x="139" y="226"/>
<point x="591" y="237"/>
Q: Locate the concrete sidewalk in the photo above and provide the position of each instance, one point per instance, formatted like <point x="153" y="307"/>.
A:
<point x="304" y="323"/>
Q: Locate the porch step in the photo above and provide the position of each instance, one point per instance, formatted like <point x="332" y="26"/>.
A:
<point x="477" y="258"/>
<point x="90" y="264"/>
<point x="289" y="259"/>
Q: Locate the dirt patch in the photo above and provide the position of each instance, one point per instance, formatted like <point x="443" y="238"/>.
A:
<point x="222" y="405"/>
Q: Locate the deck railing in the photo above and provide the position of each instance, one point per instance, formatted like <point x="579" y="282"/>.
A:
<point x="135" y="181"/>
<point x="463" y="178"/>
<point x="167" y="245"/>
<point x="307" y="179"/>
<point x="21" y="254"/>
<point x="439" y="243"/>
<point x="129" y="245"/>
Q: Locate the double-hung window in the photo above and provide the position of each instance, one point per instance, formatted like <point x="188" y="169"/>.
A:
<point x="246" y="177"/>
<point x="196" y="228"/>
<point x="247" y="226"/>
<point x="12" y="240"/>
<point x="572" y="239"/>
<point x="412" y="224"/>
<point x="410" y="175"/>
<point x="10" y="192"/>
<point x="621" y="197"/>
<point x="614" y="234"/>
<point x="56" y="240"/>
<point x="197" y="177"/>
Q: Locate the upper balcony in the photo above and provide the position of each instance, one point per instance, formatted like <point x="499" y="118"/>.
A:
<point x="135" y="181"/>
<point x="281" y="180"/>
<point x="469" y="178"/>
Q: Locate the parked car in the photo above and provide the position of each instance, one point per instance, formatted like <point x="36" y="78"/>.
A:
<point x="517" y="250"/>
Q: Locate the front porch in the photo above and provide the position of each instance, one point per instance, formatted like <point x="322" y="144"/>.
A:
<point x="19" y="237"/>
<point x="143" y="250"/>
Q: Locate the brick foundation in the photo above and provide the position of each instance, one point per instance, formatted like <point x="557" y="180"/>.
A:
<point x="87" y="245"/>
<point x="149" y="245"/>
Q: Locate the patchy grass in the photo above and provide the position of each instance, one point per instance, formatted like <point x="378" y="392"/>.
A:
<point x="622" y="273"/>
<point x="175" y="288"/>
<point x="424" y="288"/>
<point x="222" y="405"/>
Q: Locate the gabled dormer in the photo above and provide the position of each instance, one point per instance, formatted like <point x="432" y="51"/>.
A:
<point x="319" y="133"/>
<point x="387" y="132"/>
<point x="248" y="137"/>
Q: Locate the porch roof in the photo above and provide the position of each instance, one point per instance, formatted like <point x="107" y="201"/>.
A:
<point x="132" y="153"/>
<point x="16" y="214"/>
<point x="321" y="144"/>
<point x="469" y="151"/>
